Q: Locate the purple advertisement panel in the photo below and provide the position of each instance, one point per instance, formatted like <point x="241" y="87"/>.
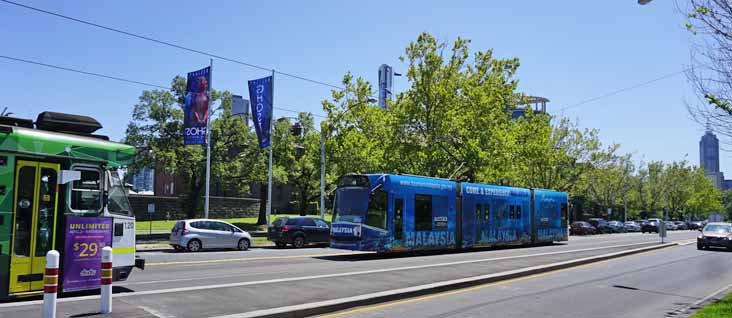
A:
<point x="85" y="238"/>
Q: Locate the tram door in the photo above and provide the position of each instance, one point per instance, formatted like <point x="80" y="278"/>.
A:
<point x="34" y="223"/>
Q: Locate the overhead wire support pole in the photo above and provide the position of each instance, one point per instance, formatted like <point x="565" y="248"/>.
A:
<point x="271" y="146"/>
<point x="322" y="172"/>
<point x="208" y="141"/>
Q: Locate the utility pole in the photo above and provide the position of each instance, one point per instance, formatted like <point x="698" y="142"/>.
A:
<point x="322" y="172"/>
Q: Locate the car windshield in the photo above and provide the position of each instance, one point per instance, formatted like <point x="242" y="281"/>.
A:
<point x="719" y="228"/>
<point x="351" y="204"/>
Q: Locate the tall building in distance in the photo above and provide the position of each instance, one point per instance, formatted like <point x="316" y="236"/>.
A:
<point x="386" y="81"/>
<point x="709" y="158"/>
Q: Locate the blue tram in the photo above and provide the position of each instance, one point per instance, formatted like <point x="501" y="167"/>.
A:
<point x="391" y="213"/>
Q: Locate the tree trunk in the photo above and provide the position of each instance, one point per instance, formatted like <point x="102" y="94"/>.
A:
<point x="262" y="204"/>
<point x="303" y="203"/>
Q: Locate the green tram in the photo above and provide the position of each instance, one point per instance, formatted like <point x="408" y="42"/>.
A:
<point x="49" y="169"/>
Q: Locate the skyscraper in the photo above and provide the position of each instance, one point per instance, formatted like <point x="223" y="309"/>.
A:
<point x="709" y="158"/>
<point x="709" y="152"/>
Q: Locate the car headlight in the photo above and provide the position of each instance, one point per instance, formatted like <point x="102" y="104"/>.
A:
<point x="700" y="237"/>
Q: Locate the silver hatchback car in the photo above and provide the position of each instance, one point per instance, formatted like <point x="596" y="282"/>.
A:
<point x="197" y="234"/>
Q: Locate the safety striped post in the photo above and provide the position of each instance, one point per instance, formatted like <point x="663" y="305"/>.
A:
<point x="106" y="280"/>
<point x="50" y="284"/>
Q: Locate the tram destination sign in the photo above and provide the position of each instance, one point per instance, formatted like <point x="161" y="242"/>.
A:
<point x="85" y="238"/>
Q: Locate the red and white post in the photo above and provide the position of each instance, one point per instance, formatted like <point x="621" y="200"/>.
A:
<point x="106" y="280"/>
<point x="50" y="284"/>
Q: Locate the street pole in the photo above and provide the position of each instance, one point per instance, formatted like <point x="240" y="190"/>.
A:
<point x="322" y="172"/>
<point x="271" y="145"/>
<point x="208" y="143"/>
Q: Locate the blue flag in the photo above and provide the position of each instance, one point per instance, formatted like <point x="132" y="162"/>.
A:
<point x="260" y="97"/>
<point x="196" y="107"/>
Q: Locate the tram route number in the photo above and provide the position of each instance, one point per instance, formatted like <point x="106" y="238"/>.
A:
<point x="88" y="249"/>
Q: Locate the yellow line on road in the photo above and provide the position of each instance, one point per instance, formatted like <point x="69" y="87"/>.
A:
<point x="470" y="289"/>
<point x="226" y="260"/>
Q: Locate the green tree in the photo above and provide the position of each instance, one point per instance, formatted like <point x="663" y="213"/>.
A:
<point x="156" y="130"/>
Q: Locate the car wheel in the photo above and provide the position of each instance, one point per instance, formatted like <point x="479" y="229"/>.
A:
<point x="243" y="245"/>
<point x="699" y="246"/>
<point x="298" y="242"/>
<point x="194" y="245"/>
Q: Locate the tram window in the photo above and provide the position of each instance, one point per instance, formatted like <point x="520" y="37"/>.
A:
<point x="376" y="213"/>
<point x="518" y="212"/>
<point x="477" y="213"/>
<point x="86" y="193"/>
<point x="422" y="212"/>
<point x="118" y="203"/>
<point x="487" y="213"/>
<point x="511" y="213"/>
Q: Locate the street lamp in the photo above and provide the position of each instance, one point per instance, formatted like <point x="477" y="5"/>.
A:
<point x="322" y="153"/>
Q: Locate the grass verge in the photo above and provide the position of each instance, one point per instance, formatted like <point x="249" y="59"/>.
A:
<point x="720" y="309"/>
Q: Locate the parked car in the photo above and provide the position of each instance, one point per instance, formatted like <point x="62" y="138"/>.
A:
<point x="670" y="226"/>
<point x="716" y="234"/>
<point x="601" y="225"/>
<point x="681" y="225"/>
<point x="197" y="234"/>
<point x="696" y="225"/>
<point x="617" y="226"/>
<point x="299" y="231"/>
<point x="632" y="226"/>
<point x="581" y="228"/>
<point x="650" y="226"/>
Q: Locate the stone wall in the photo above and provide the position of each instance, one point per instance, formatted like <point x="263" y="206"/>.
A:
<point x="172" y="208"/>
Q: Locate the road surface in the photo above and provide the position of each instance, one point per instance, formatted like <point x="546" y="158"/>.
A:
<point x="228" y="282"/>
<point x="662" y="283"/>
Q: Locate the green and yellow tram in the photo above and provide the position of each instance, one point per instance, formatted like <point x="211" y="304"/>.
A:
<point x="51" y="169"/>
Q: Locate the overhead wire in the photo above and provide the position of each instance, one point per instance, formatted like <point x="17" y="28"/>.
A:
<point x="170" y="44"/>
<point x="117" y="78"/>
<point x="209" y="54"/>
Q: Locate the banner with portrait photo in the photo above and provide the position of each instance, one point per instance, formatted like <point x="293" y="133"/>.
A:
<point x="197" y="107"/>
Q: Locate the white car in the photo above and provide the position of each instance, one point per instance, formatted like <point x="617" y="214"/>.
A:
<point x="631" y="226"/>
<point x="195" y="235"/>
<point x="670" y="226"/>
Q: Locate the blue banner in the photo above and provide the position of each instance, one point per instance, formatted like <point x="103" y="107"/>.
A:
<point x="196" y="107"/>
<point x="260" y="97"/>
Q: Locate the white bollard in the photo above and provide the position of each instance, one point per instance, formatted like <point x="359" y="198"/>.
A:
<point x="106" y="280"/>
<point x="50" y="284"/>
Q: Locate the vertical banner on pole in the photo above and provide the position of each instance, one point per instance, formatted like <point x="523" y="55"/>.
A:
<point x="261" y="95"/>
<point x="260" y="99"/>
<point x="196" y="107"/>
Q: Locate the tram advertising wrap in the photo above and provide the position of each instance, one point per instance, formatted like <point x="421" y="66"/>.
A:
<point x="85" y="238"/>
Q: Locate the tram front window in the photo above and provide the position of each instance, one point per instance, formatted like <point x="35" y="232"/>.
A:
<point x="118" y="202"/>
<point x="350" y="204"/>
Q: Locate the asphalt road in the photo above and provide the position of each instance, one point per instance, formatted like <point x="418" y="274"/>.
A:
<point x="662" y="283"/>
<point x="227" y="282"/>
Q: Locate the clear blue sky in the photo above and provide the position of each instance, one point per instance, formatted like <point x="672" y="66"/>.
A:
<point x="569" y="51"/>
